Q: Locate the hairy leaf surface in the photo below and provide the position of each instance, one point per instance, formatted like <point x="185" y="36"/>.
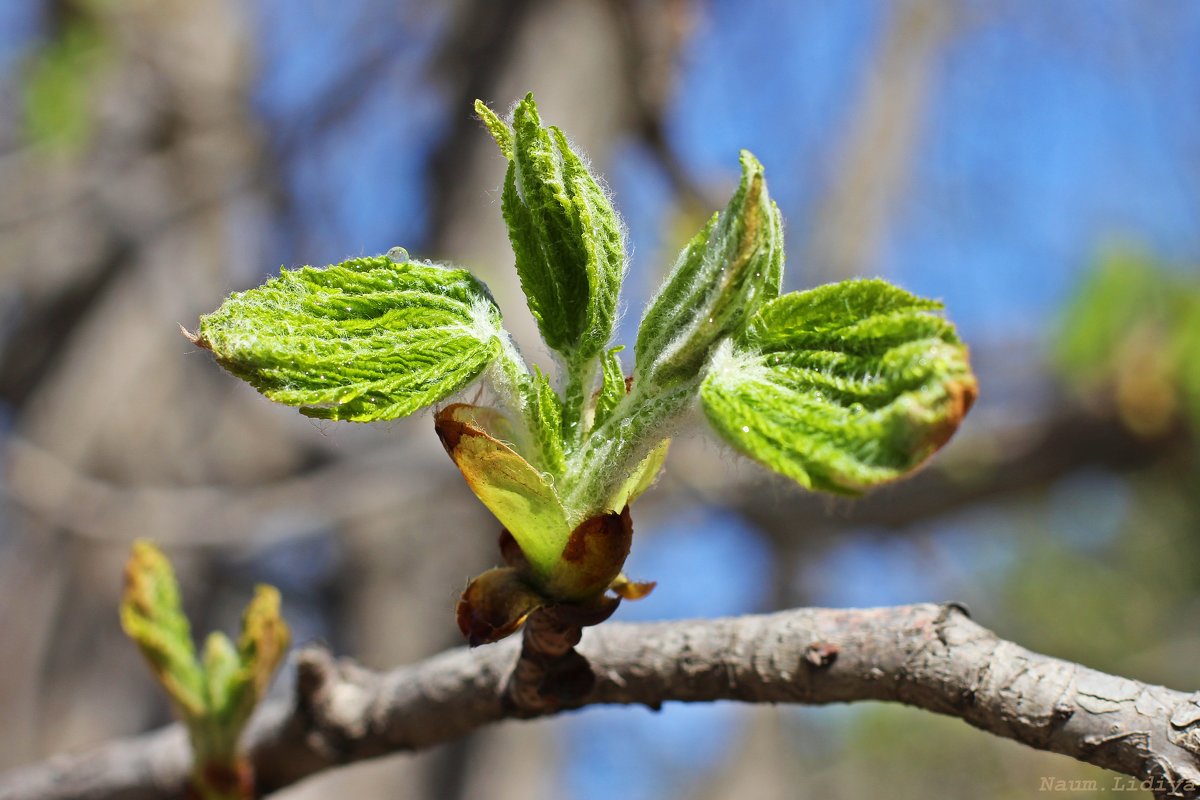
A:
<point x="723" y="275"/>
<point x="565" y="234"/>
<point x="613" y="386"/>
<point x="641" y="477"/>
<point x="363" y="340"/>
<point x="543" y="410"/>
<point x="841" y="387"/>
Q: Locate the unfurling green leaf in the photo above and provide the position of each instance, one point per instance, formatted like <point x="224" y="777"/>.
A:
<point x="497" y="127"/>
<point x="367" y="339"/>
<point x="216" y="697"/>
<point x="841" y="387"/>
<point x="641" y="477"/>
<point x="265" y="637"/>
<point x="613" y="386"/>
<point x="543" y="410"/>
<point x="238" y="678"/>
<point x="566" y="237"/>
<point x="151" y="615"/>
<point x="221" y="665"/>
<point x="723" y="275"/>
<point x="260" y="649"/>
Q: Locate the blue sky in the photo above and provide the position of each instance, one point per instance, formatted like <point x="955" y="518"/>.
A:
<point x="1052" y="129"/>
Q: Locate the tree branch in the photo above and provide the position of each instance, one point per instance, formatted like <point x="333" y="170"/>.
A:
<point x="928" y="656"/>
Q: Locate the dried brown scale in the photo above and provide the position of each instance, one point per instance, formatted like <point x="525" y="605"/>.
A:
<point x="510" y="551"/>
<point x="494" y="605"/>
<point x="597" y="550"/>
<point x="236" y="782"/>
<point x="449" y="430"/>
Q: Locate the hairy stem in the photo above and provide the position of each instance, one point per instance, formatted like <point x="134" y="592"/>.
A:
<point x="577" y="393"/>
<point x="508" y="375"/>
<point x="609" y="454"/>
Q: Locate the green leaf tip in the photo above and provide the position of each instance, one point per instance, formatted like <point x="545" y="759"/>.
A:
<point x="567" y="239"/>
<point x="724" y="274"/>
<point x="613" y="385"/>
<point x="264" y="639"/>
<point x="152" y="616"/>
<point x="497" y="127"/>
<point x="366" y="339"/>
<point x="544" y="414"/>
<point x="842" y="387"/>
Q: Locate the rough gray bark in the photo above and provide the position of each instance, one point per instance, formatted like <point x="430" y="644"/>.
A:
<point x="928" y="656"/>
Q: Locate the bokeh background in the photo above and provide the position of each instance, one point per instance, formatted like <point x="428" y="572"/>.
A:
<point x="1034" y="164"/>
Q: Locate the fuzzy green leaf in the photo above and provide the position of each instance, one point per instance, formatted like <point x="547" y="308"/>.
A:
<point x="215" y="737"/>
<point x="720" y="279"/>
<point x="543" y="409"/>
<point x="842" y="387"/>
<point x="497" y="127"/>
<point x="565" y="234"/>
<point x="152" y="616"/>
<point x="237" y="678"/>
<point x="613" y="385"/>
<point x="363" y="340"/>
<point x="221" y="665"/>
<point x="642" y="477"/>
